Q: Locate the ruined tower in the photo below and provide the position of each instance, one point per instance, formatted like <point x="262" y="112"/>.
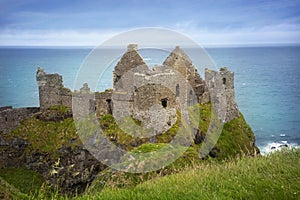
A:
<point x="221" y="90"/>
<point x="51" y="90"/>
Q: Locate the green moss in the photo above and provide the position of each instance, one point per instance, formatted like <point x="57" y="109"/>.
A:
<point x="27" y="181"/>
<point x="236" y="138"/>
<point x="46" y="137"/>
<point x="146" y="148"/>
<point x="171" y="133"/>
<point x="60" y="108"/>
<point x="114" y="133"/>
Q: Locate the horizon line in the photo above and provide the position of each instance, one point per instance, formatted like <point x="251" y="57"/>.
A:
<point x="237" y="45"/>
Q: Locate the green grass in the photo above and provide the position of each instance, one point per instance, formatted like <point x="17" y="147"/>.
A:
<point x="275" y="176"/>
<point x="60" y="108"/>
<point x="272" y="177"/>
<point x="235" y="140"/>
<point x="27" y="181"/>
<point x="8" y="191"/>
<point x="46" y="137"/>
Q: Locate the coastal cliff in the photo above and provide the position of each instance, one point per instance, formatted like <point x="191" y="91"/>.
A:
<point x="45" y="139"/>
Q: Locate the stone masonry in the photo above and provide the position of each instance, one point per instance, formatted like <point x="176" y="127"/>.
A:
<point x="150" y="95"/>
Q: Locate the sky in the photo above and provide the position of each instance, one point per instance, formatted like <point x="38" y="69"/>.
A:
<point x="91" y="22"/>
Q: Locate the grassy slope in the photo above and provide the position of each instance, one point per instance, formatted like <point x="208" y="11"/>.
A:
<point x="8" y="191"/>
<point x="272" y="177"/>
<point x="236" y="139"/>
<point x="27" y="181"/>
<point x="47" y="137"/>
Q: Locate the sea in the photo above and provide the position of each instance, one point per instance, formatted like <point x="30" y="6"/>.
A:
<point x="267" y="85"/>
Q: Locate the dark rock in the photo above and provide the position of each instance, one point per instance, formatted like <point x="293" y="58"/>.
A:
<point x="199" y="136"/>
<point x="54" y="115"/>
<point x="214" y="152"/>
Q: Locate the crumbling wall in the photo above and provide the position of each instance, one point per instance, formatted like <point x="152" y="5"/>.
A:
<point x="180" y="61"/>
<point x="52" y="91"/>
<point x="10" y="118"/>
<point x="103" y="103"/>
<point x="130" y="60"/>
<point x="83" y="102"/>
<point x="221" y="90"/>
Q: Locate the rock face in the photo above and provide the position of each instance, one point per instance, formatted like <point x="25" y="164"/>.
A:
<point x="10" y="118"/>
<point x="70" y="168"/>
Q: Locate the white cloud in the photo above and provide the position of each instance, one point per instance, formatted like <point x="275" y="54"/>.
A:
<point x="54" y="38"/>
<point x="283" y="33"/>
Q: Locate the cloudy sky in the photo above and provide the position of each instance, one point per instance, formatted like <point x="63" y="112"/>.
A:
<point x="89" y="23"/>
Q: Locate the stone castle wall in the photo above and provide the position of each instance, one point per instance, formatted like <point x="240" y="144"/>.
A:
<point x="51" y="90"/>
<point x="139" y="89"/>
<point x="221" y="90"/>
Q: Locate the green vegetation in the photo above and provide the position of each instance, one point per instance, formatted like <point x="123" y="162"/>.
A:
<point x="26" y="181"/>
<point x="272" y="177"/>
<point x="60" y="108"/>
<point x="275" y="176"/>
<point x="8" y="191"/>
<point x="182" y="177"/>
<point x="119" y="135"/>
<point x="46" y="136"/>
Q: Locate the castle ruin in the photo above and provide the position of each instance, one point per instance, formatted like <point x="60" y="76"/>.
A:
<point x="150" y="95"/>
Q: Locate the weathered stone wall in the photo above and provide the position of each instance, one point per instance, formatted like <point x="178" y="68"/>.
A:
<point x="52" y="91"/>
<point x="103" y="103"/>
<point x="10" y="118"/>
<point x="180" y="62"/>
<point x="83" y="102"/>
<point x="221" y="90"/>
<point x="130" y="60"/>
<point x="137" y="89"/>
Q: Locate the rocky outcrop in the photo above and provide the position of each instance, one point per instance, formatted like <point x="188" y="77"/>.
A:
<point x="10" y="118"/>
<point x="69" y="168"/>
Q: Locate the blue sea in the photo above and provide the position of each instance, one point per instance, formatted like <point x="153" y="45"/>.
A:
<point x="266" y="83"/>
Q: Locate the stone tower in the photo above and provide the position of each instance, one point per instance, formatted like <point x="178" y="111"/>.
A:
<point x="51" y="90"/>
<point x="221" y="89"/>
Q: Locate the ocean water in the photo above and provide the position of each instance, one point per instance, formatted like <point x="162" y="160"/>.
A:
<point x="266" y="83"/>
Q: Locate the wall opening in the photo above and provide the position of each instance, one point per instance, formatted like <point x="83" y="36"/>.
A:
<point x="109" y="106"/>
<point x="164" y="102"/>
<point x="6" y="119"/>
<point x="177" y="90"/>
<point x="224" y="81"/>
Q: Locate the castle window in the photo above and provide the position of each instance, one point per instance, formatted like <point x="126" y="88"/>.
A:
<point x="6" y="119"/>
<point x="109" y="107"/>
<point x="177" y="90"/>
<point x="164" y="102"/>
<point x="224" y="81"/>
